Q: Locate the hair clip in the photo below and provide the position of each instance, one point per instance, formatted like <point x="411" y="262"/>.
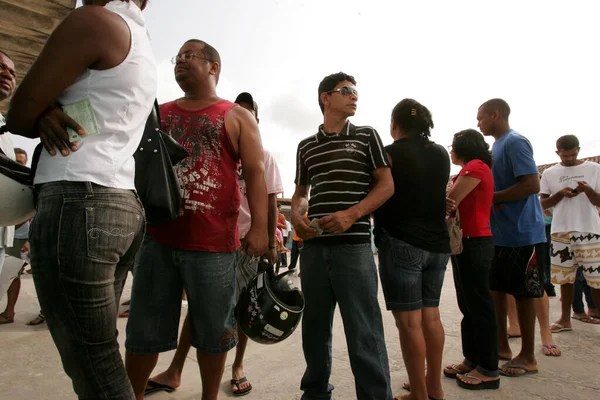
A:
<point x="413" y="111"/>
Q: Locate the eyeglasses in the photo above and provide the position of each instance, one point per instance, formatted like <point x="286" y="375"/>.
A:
<point x="345" y="91"/>
<point x="450" y="148"/>
<point x="188" y="57"/>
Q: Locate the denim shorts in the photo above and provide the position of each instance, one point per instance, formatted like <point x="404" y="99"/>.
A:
<point x="161" y="274"/>
<point x="411" y="278"/>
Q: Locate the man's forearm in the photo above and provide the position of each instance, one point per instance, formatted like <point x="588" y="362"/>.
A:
<point x="515" y="193"/>
<point x="272" y="217"/>
<point x="378" y="195"/>
<point x="551" y="201"/>
<point x="593" y="196"/>
<point x="299" y="206"/>
<point x="257" y="197"/>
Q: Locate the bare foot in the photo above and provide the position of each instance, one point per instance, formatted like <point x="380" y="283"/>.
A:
<point x="452" y="369"/>
<point x="548" y="346"/>
<point x="579" y="315"/>
<point x="167" y="378"/>
<point x="475" y="374"/>
<point x="6" y="318"/>
<point x="433" y="394"/>
<point x="594" y="313"/>
<point x="561" y="325"/>
<point x="531" y="366"/>
<point x="583" y="317"/>
<point x="551" y="350"/>
<point x="237" y="373"/>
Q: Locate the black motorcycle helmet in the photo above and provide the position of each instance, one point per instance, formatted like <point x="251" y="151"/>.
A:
<point x="270" y="307"/>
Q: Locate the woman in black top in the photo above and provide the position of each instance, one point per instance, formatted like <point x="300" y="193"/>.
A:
<point x="414" y="245"/>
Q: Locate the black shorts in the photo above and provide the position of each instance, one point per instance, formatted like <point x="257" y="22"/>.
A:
<point x="519" y="271"/>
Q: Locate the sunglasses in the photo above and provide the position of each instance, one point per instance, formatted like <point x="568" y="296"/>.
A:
<point x="345" y="91"/>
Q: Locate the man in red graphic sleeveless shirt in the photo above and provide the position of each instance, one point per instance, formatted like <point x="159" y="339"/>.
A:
<point x="197" y="251"/>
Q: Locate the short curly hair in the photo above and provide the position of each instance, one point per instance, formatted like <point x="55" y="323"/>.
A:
<point x="330" y="82"/>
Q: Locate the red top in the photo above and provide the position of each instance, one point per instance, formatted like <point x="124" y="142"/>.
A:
<point x="208" y="177"/>
<point x="475" y="209"/>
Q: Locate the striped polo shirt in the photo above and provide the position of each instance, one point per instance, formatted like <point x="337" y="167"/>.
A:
<point x="339" y="168"/>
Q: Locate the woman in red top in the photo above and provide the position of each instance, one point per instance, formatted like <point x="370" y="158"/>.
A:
<point x="472" y="193"/>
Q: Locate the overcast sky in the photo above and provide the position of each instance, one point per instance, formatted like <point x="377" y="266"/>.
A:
<point x="540" y="56"/>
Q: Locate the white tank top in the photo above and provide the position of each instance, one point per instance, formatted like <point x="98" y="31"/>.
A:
<point x="122" y="98"/>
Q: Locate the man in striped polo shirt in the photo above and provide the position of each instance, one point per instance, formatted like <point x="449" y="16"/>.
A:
<point x="346" y="170"/>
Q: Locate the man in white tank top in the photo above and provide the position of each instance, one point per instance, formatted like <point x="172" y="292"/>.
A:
<point x="89" y="223"/>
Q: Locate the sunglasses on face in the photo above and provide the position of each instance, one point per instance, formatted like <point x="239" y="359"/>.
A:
<point x="345" y="91"/>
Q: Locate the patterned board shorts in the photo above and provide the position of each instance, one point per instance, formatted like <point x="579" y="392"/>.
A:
<point x="519" y="271"/>
<point x="572" y="250"/>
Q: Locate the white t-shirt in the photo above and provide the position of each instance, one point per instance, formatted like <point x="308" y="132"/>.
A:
<point x="6" y="144"/>
<point x="288" y="228"/>
<point x="577" y="213"/>
<point x="274" y="186"/>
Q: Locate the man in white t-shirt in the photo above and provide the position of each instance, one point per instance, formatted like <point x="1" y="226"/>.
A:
<point x="572" y="188"/>
<point x="8" y="78"/>
<point x="246" y="270"/>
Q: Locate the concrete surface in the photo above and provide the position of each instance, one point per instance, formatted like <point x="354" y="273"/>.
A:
<point x="30" y="367"/>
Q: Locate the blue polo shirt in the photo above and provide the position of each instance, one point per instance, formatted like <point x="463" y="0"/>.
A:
<point x="518" y="223"/>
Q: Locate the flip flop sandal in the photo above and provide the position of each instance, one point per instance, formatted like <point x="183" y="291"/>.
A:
<point x="482" y="385"/>
<point x="154" y="387"/>
<point x="555" y="328"/>
<point x="526" y="371"/>
<point x="453" y="367"/>
<point x="513" y="336"/>
<point x="6" y="320"/>
<point x="40" y="319"/>
<point x="237" y="383"/>
<point x="549" y="347"/>
<point x="588" y="320"/>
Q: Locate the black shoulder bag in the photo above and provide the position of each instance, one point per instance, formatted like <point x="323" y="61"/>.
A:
<point x="155" y="179"/>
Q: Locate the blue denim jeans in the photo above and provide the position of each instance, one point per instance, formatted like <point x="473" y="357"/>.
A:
<point x="160" y="276"/>
<point x="412" y="278"/>
<point x="83" y="239"/>
<point x="346" y="275"/>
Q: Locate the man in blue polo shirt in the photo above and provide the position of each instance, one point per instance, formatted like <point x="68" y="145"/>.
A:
<point x="518" y="231"/>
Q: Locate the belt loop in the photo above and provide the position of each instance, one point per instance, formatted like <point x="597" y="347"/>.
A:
<point x="90" y="190"/>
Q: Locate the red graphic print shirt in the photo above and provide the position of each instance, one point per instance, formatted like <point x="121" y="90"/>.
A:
<point x="208" y="178"/>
